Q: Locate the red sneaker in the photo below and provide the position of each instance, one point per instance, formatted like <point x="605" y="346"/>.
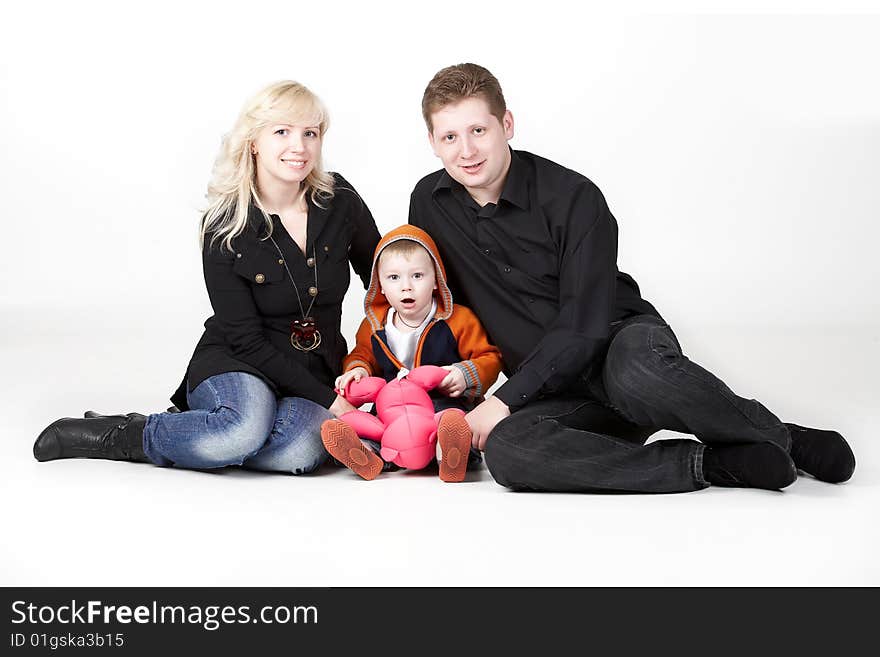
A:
<point x="454" y="436"/>
<point x="343" y="444"/>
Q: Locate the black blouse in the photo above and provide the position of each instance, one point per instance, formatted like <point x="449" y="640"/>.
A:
<point x="254" y="301"/>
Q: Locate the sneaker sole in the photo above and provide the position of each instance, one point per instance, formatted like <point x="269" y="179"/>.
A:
<point x="454" y="436"/>
<point x="343" y="444"/>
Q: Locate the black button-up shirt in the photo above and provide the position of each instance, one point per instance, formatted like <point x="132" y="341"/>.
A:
<point x="539" y="268"/>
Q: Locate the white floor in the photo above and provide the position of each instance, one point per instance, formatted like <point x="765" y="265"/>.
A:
<point x="82" y="522"/>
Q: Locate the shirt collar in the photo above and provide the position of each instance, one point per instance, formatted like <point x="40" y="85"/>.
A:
<point x="389" y="319"/>
<point x="256" y="219"/>
<point x="515" y="190"/>
<point x="516" y="187"/>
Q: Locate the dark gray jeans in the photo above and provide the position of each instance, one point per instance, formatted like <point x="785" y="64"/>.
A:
<point x="593" y="442"/>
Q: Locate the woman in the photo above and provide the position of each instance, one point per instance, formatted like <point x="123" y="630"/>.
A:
<point x="277" y="240"/>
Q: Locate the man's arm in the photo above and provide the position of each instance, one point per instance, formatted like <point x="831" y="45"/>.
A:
<point x="587" y="286"/>
<point x="480" y="362"/>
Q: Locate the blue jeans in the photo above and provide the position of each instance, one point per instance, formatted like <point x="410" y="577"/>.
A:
<point x="593" y="439"/>
<point x="236" y="419"/>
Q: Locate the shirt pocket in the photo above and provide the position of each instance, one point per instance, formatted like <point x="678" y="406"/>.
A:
<point x="334" y="245"/>
<point x="331" y="255"/>
<point x="258" y="268"/>
<point x="270" y="286"/>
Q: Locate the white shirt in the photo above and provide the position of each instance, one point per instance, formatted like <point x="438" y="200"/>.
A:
<point x="403" y="345"/>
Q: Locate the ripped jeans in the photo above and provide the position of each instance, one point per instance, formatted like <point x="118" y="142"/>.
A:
<point x="236" y="419"/>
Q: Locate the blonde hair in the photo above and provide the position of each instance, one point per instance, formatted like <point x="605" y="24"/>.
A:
<point x="402" y="247"/>
<point x="233" y="184"/>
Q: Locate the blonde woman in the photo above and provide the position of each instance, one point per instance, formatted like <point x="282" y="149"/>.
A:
<point x="277" y="239"/>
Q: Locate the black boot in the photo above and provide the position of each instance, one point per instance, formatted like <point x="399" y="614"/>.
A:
<point x="823" y="454"/>
<point x="115" y="437"/>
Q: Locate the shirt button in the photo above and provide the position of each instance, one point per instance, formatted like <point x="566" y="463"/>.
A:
<point x="310" y="262"/>
<point x="237" y="255"/>
<point x="313" y="291"/>
<point x="326" y="249"/>
<point x="486" y="251"/>
<point x="523" y="397"/>
<point x="507" y="270"/>
<point x="260" y="278"/>
<point x="280" y="261"/>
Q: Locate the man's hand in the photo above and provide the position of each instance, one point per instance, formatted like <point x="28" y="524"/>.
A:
<point x="453" y="385"/>
<point x="357" y="374"/>
<point x="483" y="419"/>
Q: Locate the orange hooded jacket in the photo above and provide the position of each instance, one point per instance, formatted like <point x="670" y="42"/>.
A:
<point x="454" y="336"/>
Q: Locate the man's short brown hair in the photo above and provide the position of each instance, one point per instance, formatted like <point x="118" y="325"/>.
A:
<point x="456" y="83"/>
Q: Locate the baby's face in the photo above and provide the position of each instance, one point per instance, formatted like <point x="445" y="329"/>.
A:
<point x="408" y="282"/>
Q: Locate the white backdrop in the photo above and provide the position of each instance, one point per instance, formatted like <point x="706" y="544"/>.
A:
<point x="739" y="153"/>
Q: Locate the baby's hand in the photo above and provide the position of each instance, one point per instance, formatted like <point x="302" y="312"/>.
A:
<point x="342" y="381"/>
<point x="453" y="385"/>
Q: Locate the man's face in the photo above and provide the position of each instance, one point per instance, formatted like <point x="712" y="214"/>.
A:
<point x="472" y="144"/>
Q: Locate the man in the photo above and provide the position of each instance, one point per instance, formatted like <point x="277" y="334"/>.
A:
<point x="593" y="370"/>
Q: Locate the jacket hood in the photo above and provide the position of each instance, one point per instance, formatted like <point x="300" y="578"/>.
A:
<point x="376" y="305"/>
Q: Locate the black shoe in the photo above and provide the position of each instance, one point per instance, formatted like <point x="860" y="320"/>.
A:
<point x="753" y="465"/>
<point x="823" y="454"/>
<point x="115" y="437"/>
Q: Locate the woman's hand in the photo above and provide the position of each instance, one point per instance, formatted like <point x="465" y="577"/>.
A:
<point x="454" y="384"/>
<point x="342" y="381"/>
<point x="341" y="406"/>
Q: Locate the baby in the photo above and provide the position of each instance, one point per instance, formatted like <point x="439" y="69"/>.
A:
<point x="411" y="321"/>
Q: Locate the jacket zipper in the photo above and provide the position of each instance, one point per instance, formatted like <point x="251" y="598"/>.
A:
<point x="417" y="359"/>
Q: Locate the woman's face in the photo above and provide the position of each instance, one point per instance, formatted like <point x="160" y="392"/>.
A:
<point x="286" y="153"/>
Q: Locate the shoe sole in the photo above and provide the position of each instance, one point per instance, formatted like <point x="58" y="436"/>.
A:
<point x="454" y="436"/>
<point x="343" y="444"/>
